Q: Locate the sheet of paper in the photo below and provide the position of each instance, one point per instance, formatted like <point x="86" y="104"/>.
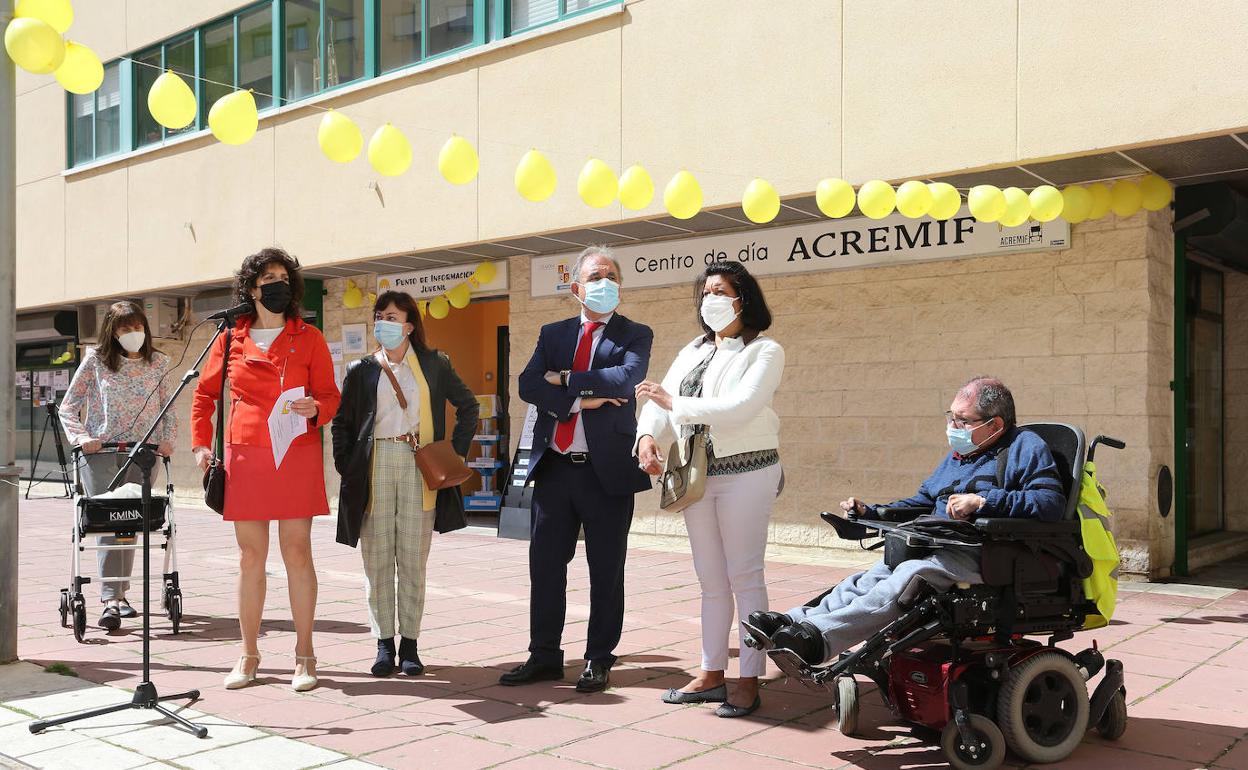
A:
<point x="340" y="372"/>
<point x="284" y="425"/>
<point x="60" y="379"/>
<point x="335" y="352"/>
<point x="354" y="339"/>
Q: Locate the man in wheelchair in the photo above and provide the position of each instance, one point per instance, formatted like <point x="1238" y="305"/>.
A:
<point x="993" y="469"/>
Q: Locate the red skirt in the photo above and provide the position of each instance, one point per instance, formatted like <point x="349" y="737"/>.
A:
<point x="256" y="490"/>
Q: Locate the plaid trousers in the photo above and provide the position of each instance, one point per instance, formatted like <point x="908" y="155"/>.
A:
<point x="396" y="533"/>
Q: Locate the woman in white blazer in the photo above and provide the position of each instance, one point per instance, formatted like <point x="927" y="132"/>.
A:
<point x="724" y="380"/>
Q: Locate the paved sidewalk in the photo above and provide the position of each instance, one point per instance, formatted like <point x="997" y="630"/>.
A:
<point x="1185" y="649"/>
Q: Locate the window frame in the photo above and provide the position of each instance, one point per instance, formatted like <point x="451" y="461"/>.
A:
<point x="71" y="131"/>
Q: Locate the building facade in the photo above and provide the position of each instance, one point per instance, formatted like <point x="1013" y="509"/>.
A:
<point x="1102" y="326"/>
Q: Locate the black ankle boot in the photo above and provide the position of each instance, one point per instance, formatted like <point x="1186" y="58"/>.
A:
<point x="384" y="665"/>
<point x="803" y="639"/>
<point x="409" y="660"/>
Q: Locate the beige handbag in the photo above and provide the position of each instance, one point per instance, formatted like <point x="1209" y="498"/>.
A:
<point x="683" y="482"/>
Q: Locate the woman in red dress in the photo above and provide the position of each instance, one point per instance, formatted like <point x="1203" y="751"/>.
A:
<point x="270" y="351"/>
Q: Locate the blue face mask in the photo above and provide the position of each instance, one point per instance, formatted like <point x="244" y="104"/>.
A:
<point x="960" y="439"/>
<point x="389" y="334"/>
<point x="601" y="296"/>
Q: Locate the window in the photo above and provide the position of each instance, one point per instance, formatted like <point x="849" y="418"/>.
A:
<point x="147" y="67"/>
<point x="180" y="57"/>
<point x="450" y="25"/>
<point x="526" y="14"/>
<point x="218" y="62"/>
<point x="316" y="58"/>
<point x="400" y="27"/>
<point x="255" y="53"/>
<point x="95" y="119"/>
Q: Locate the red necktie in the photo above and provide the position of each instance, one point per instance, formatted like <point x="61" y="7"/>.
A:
<point x="567" y="430"/>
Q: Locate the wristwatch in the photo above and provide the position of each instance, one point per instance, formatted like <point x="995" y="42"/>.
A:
<point x="563" y="377"/>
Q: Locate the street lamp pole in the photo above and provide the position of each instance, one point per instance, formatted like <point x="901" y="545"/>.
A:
<point x="8" y="358"/>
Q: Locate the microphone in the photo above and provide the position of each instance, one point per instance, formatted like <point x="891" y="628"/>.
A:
<point x="232" y="313"/>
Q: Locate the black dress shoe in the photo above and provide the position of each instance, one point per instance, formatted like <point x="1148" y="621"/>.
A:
<point x="530" y="671"/>
<point x="769" y="622"/>
<point x="409" y="659"/>
<point x="110" y="619"/>
<point x="384" y="665"/>
<point x="595" y="677"/>
<point x="803" y="639"/>
<point x="126" y="611"/>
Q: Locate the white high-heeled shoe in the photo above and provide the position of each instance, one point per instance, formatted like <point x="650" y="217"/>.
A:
<point x="239" y="678"/>
<point x="305" y="681"/>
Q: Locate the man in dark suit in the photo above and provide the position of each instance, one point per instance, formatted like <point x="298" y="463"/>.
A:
<point x="580" y="378"/>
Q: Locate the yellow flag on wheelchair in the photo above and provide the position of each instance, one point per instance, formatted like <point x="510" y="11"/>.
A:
<point x="1102" y="585"/>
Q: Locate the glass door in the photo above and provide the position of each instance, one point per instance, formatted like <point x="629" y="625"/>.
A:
<point x="1205" y="424"/>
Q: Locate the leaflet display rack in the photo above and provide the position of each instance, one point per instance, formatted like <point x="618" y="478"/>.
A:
<point x="487" y="463"/>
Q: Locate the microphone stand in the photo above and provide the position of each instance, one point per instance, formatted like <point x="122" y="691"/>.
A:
<point x="144" y="456"/>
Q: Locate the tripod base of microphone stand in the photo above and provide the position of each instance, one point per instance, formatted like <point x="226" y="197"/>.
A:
<point x="145" y="697"/>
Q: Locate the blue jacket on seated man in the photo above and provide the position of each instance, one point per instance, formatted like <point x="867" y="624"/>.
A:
<point x="980" y="427"/>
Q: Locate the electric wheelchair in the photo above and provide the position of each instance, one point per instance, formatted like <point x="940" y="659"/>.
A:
<point x="963" y="662"/>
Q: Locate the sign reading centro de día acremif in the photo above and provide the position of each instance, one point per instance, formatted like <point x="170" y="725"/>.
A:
<point x="829" y="244"/>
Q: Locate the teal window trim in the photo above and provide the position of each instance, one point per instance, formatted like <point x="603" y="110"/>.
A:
<point x="498" y="25"/>
<point x="278" y="50"/>
<point x="322" y="47"/>
<point x="125" y="75"/>
<point x="372" y="39"/>
<point x="424" y="32"/>
<point x="480" y="35"/>
<point x="201" y="115"/>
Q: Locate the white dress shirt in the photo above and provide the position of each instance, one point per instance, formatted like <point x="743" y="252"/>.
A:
<point x="392" y="420"/>
<point x="579" y="444"/>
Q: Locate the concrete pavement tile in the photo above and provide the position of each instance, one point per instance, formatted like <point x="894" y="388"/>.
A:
<point x="271" y="753"/>
<point x="87" y="755"/>
<point x="25" y="680"/>
<point x="543" y="762"/>
<point x="1098" y="756"/>
<point x="68" y="701"/>
<point x="699" y="723"/>
<point x="448" y="751"/>
<point x="720" y="759"/>
<point x="363" y="734"/>
<point x="626" y="749"/>
<point x="1236" y="758"/>
<point x="536" y="731"/>
<point x="1152" y="736"/>
<point x="17" y="741"/>
<point x="170" y="742"/>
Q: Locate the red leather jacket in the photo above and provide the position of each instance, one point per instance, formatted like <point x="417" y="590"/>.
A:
<point x="299" y="356"/>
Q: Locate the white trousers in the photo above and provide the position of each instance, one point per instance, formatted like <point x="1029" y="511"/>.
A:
<point x="728" y="535"/>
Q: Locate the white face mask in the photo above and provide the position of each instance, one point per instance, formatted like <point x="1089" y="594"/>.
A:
<point x="132" y="341"/>
<point x="717" y="311"/>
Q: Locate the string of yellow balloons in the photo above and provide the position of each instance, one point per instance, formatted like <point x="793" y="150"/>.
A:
<point x="440" y="306"/>
<point x="33" y="40"/>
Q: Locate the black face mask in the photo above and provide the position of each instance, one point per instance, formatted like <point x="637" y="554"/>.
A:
<point x="275" y="296"/>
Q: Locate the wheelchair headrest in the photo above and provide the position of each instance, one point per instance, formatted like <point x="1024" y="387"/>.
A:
<point x="1068" y="446"/>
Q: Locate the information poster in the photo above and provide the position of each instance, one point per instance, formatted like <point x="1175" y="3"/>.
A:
<point x="354" y="339"/>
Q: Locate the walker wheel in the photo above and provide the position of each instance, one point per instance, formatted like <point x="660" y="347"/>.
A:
<point x="846" y="705"/>
<point x="175" y="609"/>
<point x="79" y="610"/>
<point x="64" y="608"/>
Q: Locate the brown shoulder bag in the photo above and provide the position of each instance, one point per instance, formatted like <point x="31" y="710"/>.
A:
<point x="439" y="464"/>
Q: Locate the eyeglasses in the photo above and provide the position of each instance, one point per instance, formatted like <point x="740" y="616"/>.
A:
<point x="965" y="422"/>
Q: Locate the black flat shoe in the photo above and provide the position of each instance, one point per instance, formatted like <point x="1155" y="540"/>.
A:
<point x="529" y="672"/>
<point x="126" y="611"/>
<point x="713" y="695"/>
<point x="409" y="659"/>
<point x="594" y="678"/>
<point x="729" y="711"/>
<point x="110" y="619"/>
<point x="384" y="665"/>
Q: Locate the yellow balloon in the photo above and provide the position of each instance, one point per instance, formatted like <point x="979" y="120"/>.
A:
<point x="1017" y="207"/>
<point x="914" y="199"/>
<point x="636" y="188"/>
<point x="1126" y="198"/>
<point x="57" y="14"/>
<point x="1155" y="192"/>
<point x="389" y="151"/>
<point x="835" y="197"/>
<point x="171" y="101"/>
<point x="485" y="272"/>
<point x="439" y="307"/>
<point x="34" y="45"/>
<point x="353" y="297"/>
<point x="876" y="199"/>
<point x="760" y="202"/>
<point x="683" y="196"/>
<point x="233" y="118"/>
<point x="1046" y="203"/>
<point x="946" y="200"/>
<point x="1076" y="203"/>
<point x="986" y="202"/>
<point x="460" y="296"/>
<point x="81" y="72"/>
<point x="597" y="184"/>
<point x="535" y="177"/>
<point x="423" y="307"/>
<point x="1101" y="200"/>
<point x="340" y="139"/>
<point x="458" y="161"/>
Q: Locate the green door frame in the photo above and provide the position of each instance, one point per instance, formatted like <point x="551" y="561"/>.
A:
<point x="1179" y="387"/>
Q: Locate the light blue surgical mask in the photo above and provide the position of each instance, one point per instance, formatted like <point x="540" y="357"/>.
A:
<point x="960" y="439"/>
<point x="601" y="296"/>
<point x="389" y="334"/>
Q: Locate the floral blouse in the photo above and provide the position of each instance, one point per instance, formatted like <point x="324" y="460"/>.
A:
<point x="105" y="405"/>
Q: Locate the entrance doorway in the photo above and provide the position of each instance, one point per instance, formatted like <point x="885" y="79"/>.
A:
<point x="1206" y="429"/>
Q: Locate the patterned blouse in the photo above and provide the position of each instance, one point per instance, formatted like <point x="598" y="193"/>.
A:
<point x="722" y="466"/>
<point x="104" y="405"/>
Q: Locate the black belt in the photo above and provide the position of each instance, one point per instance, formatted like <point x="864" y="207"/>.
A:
<point x="575" y="458"/>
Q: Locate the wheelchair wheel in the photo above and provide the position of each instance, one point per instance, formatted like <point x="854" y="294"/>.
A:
<point x="64" y="608"/>
<point x="79" y="610"/>
<point x="1114" y="721"/>
<point x="1043" y="708"/>
<point x="987" y="751"/>
<point x="846" y="705"/>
